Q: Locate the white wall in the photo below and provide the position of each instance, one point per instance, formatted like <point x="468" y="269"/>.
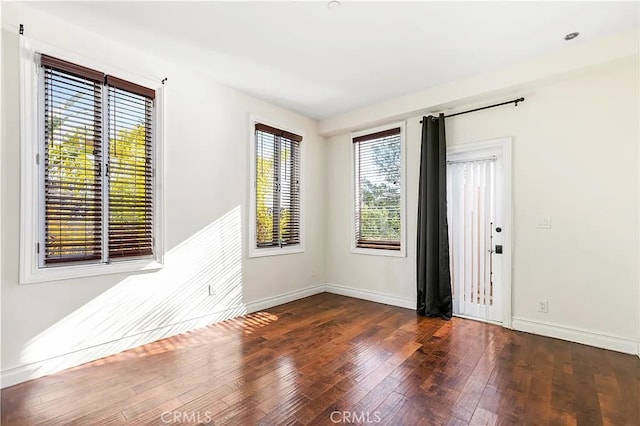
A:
<point x="576" y="148"/>
<point x="49" y="326"/>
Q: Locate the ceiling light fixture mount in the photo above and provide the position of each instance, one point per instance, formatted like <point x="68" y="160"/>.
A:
<point x="333" y="5"/>
<point x="571" y="36"/>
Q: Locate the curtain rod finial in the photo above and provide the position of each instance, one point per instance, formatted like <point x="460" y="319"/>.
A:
<point x="21" y="30"/>
<point x="164" y="80"/>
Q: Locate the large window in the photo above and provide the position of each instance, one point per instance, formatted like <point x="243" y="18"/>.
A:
<point x="94" y="173"/>
<point x="379" y="191"/>
<point x="276" y="195"/>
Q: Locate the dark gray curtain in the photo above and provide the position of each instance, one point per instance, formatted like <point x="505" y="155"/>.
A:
<point x="434" y="277"/>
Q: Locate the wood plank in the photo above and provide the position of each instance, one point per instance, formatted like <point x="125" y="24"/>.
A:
<point x="298" y="363"/>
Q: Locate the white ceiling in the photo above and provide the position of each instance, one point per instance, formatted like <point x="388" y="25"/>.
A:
<point x="322" y="62"/>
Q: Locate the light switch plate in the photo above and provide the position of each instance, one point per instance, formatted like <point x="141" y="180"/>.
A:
<point x="543" y="222"/>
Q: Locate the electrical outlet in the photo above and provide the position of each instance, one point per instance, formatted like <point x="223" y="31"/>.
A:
<point x="543" y="306"/>
<point x="543" y="222"/>
<point x="212" y="290"/>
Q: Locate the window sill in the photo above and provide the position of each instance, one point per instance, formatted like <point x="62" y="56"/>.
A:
<point x="58" y="273"/>
<point x="275" y="251"/>
<point x="379" y="252"/>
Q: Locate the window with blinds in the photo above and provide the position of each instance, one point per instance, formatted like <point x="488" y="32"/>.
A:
<point x="277" y="187"/>
<point x="130" y="169"/>
<point x="98" y="166"/>
<point x="72" y="162"/>
<point x="378" y="196"/>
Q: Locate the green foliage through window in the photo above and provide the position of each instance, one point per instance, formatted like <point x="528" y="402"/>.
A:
<point x="277" y="164"/>
<point x="84" y="159"/>
<point x="378" y="190"/>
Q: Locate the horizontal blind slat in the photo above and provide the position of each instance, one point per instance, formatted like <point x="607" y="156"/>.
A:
<point x="126" y="88"/>
<point x="71" y="68"/>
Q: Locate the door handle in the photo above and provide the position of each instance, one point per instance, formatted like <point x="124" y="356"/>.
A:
<point x="497" y="250"/>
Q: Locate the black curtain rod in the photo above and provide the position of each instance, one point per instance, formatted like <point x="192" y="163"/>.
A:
<point x="513" y="101"/>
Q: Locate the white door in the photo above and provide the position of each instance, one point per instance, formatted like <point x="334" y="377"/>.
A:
<point x="475" y="214"/>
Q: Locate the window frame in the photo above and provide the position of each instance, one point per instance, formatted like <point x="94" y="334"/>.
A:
<point x="403" y="191"/>
<point x="32" y="139"/>
<point x="254" y="250"/>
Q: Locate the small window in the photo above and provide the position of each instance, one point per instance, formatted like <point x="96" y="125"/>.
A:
<point x="94" y="192"/>
<point x="379" y="191"/>
<point x="276" y="194"/>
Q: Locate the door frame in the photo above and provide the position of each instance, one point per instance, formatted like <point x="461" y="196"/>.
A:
<point x="502" y="147"/>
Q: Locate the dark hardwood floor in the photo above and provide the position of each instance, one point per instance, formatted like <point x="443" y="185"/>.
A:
<point x="329" y="359"/>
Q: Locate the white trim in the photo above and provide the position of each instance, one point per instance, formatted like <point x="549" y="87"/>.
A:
<point x="577" y="335"/>
<point x="372" y="296"/>
<point x="104" y="172"/>
<point x="273" y="251"/>
<point x="22" y="373"/>
<point x="159" y="206"/>
<point x="58" y="273"/>
<point x="32" y="192"/>
<point x="270" y="302"/>
<point x="500" y="146"/>
<point x="377" y="252"/>
<point x="19" y="374"/>
<point x="40" y="136"/>
<point x="403" y="193"/>
<point x="29" y="187"/>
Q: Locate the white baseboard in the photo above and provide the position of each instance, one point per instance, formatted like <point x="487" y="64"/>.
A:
<point x="614" y="343"/>
<point x="586" y="337"/>
<point x="22" y="373"/>
<point x="373" y="296"/>
<point x="280" y="299"/>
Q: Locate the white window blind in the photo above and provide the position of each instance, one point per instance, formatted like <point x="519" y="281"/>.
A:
<point x="377" y="159"/>
<point x="471" y="202"/>
<point x="277" y="183"/>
